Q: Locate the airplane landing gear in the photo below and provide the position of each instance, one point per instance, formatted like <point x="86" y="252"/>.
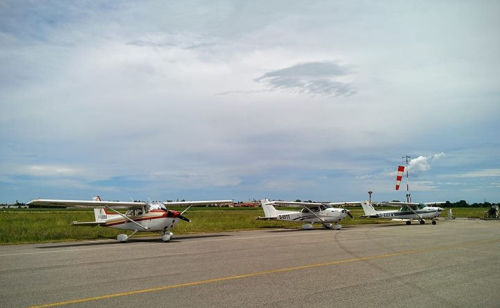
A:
<point x="122" y="238"/>
<point x="408" y="222"/>
<point x="422" y="222"/>
<point x="328" y="226"/>
<point x="307" y="226"/>
<point x="167" y="236"/>
<point x="433" y="222"/>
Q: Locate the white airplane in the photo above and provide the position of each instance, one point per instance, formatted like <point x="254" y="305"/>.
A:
<point x="407" y="211"/>
<point x="140" y="216"/>
<point x="312" y="212"/>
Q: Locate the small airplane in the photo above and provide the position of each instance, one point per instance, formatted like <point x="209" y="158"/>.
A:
<point x="140" y="216"/>
<point x="312" y="212"/>
<point x="407" y="211"/>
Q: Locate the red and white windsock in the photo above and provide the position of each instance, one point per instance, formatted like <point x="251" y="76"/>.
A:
<point x="399" y="177"/>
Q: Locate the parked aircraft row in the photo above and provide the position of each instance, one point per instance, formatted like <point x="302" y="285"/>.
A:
<point x="156" y="217"/>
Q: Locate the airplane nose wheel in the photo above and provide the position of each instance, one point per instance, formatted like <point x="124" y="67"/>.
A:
<point x="408" y="222"/>
<point x="167" y="236"/>
<point x="433" y="222"/>
<point x="422" y="222"/>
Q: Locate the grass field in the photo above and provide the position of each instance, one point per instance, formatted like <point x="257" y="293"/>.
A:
<point x="51" y="225"/>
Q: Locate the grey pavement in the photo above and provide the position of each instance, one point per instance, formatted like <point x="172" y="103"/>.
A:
<point x="451" y="264"/>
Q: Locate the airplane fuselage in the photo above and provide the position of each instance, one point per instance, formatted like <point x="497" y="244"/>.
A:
<point x="329" y="215"/>
<point x="154" y="220"/>
<point x="425" y="213"/>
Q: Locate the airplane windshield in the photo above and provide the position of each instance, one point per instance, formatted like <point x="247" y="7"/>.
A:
<point x="406" y="208"/>
<point x="313" y="209"/>
<point x="134" y="212"/>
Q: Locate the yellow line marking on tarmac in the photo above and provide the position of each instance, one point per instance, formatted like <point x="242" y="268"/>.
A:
<point x="262" y="273"/>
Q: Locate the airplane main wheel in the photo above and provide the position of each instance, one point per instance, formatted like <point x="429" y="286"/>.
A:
<point x="433" y="222"/>
<point x="166" y="236"/>
<point x="307" y="226"/>
<point x="122" y="238"/>
<point x="408" y="222"/>
<point x="328" y="226"/>
<point x="422" y="222"/>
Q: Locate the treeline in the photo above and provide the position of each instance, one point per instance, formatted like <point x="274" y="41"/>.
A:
<point x="463" y="203"/>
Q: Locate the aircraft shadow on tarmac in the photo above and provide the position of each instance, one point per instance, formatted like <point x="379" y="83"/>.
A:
<point x="344" y="227"/>
<point x="304" y="230"/>
<point x="134" y="240"/>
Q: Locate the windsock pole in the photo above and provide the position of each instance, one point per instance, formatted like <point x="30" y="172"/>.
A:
<point x="408" y="195"/>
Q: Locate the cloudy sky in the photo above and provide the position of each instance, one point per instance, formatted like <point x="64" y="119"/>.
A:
<point x="236" y="99"/>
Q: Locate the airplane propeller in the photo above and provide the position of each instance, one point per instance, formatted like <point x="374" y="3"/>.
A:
<point x="348" y="213"/>
<point x="176" y="214"/>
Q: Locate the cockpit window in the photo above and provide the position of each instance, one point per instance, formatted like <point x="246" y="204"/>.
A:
<point x="406" y="208"/>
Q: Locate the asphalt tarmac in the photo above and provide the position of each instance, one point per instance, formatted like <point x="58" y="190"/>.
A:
<point x="454" y="263"/>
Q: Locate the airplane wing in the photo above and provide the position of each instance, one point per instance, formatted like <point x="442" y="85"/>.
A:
<point x="296" y="203"/>
<point x="85" y="203"/>
<point x="397" y="203"/>
<point x="349" y="203"/>
<point x="315" y="204"/>
<point x="435" y="203"/>
<point x="204" y="202"/>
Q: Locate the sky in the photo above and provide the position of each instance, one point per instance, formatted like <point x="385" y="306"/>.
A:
<point x="243" y="100"/>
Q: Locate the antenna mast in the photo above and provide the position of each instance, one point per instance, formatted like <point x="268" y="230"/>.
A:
<point x="406" y="159"/>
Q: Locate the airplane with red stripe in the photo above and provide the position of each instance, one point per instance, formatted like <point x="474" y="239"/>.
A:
<point x="140" y="216"/>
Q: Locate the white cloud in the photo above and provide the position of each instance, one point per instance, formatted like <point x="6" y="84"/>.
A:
<point x="423" y="163"/>
<point x="49" y="170"/>
<point x="480" y="173"/>
<point x="422" y="186"/>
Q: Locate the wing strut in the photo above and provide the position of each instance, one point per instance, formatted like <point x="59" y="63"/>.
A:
<point x="310" y="211"/>
<point x="126" y="217"/>
<point x="411" y="209"/>
<point x="186" y="209"/>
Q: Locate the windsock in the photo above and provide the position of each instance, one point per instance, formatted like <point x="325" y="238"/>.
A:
<point x="401" y="169"/>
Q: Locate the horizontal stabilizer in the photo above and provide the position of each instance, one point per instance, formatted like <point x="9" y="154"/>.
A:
<point x="266" y="218"/>
<point x="87" y="223"/>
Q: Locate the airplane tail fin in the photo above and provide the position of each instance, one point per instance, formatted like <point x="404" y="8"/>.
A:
<point x="101" y="215"/>
<point x="269" y="210"/>
<point x="368" y="208"/>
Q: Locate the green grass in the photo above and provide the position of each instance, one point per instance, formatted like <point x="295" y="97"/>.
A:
<point x="42" y="225"/>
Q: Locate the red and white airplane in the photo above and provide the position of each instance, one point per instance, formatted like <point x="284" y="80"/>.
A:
<point x="140" y="216"/>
